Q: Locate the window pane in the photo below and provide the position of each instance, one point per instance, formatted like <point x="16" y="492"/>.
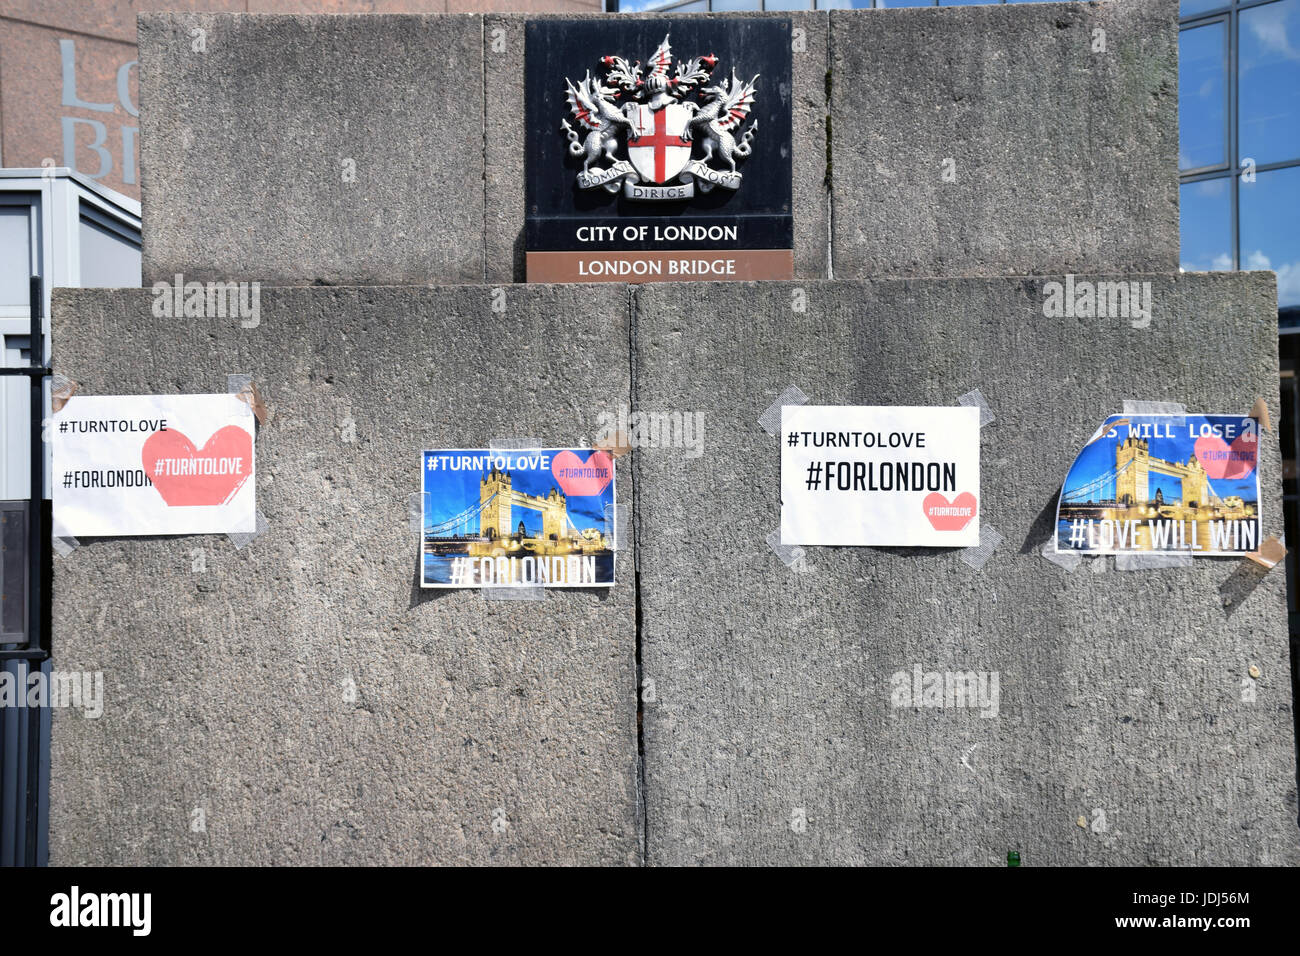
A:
<point x="1190" y="8"/>
<point x="1269" y="240"/>
<point x="15" y="254"/>
<point x="107" y="260"/>
<point x="1268" y="69"/>
<point x="788" y="5"/>
<point x="1202" y="77"/>
<point x="904" y="3"/>
<point x="737" y="5"/>
<point x="964" y="3"/>
<point x="1205" y="224"/>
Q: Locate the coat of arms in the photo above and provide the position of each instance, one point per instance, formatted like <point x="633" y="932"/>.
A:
<point x="660" y="127"/>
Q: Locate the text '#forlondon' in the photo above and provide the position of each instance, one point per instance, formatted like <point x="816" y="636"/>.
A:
<point x="832" y="475"/>
<point x="528" y="518"/>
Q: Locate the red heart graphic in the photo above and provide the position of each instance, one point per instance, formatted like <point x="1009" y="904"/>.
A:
<point x="580" y="478"/>
<point x="187" y="477"/>
<point x="1221" y="460"/>
<point x="949" y="516"/>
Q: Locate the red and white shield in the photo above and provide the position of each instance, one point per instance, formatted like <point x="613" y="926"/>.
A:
<point x="656" y="146"/>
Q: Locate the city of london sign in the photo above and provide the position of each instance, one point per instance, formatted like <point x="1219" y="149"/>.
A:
<point x="660" y="149"/>
<point x="650" y="117"/>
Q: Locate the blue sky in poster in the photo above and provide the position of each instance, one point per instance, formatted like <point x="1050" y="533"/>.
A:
<point x="449" y="493"/>
<point x="1099" y="458"/>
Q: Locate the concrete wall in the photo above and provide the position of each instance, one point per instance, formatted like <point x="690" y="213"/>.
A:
<point x="225" y="687"/>
<point x="1065" y="159"/>
<point x="247" y="148"/>
<point x="1060" y="122"/>
<point x="1120" y="691"/>
<point x="765" y="690"/>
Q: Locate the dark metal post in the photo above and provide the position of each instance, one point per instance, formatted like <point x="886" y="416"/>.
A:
<point x="36" y="515"/>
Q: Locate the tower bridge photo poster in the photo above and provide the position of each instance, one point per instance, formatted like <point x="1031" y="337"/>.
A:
<point x="1164" y="484"/>
<point x="517" y="518"/>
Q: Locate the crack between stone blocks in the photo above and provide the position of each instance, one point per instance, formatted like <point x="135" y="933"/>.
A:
<point x="642" y="816"/>
<point x="830" y="157"/>
<point x="483" y="52"/>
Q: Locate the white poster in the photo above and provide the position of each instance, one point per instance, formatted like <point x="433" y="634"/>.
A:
<point x="905" y="476"/>
<point x="153" y="464"/>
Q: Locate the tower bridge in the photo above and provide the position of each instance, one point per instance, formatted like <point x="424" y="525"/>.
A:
<point x="1131" y="480"/>
<point x="1134" y="467"/>
<point x="485" y="528"/>
<point x="497" y="497"/>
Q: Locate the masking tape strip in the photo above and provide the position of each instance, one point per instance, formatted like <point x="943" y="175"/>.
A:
<point x="1259" y="412"/>
<point x="1106" y="432"/>
<point x="617" y="526"/>
<point x="1099" y="564"/>
<point x="976" y="398"/>
<point x="513" y="592"/>
<point x="245" y="389"/>
<point x="1143" y="561"/>
<point x="1134" y="406"/>
<point x="1069" y="560"/>
<point x="979" y="555"/>
<point x="1270" y="553"/>
<point x="64" y="546"/>
<point x="62" y="388"/>
<point x="616" y="444"/>
<point x="415" y="512"/>
<point x="241" y="539"/>
<point x="771" y="417"/>
<point x="789" y="554"/>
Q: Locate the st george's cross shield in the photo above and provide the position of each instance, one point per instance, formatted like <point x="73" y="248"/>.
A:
<point x="657" y="145"/>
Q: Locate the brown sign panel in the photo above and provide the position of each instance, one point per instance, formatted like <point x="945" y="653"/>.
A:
<point x="735" y="264"/>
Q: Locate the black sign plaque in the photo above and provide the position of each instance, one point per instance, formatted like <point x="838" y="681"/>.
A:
<point x="659" y="149"/>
